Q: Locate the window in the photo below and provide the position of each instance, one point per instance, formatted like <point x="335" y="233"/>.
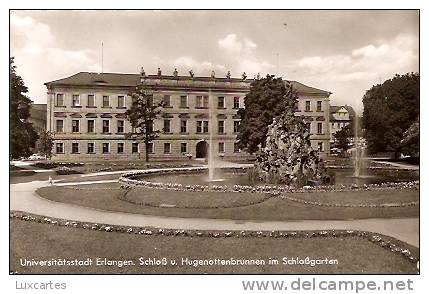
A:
<point x="75" y="100"/>
<point x="121" y="101"/>
<point x="338" y="125"/>
<point x="183" y="147"/>
<point x="319" y="128"/>
<point x="106" y="101"/>
<point x="319" y="105"/>
<point x="120" y="147"/>
<point x="167" y="101"/>
<point x="90" y="147"/>
<point x="60" y="100"/>
<point x="220" y="102"/>
<point x="167" y="148"/>
<point x="202" y="126"/>
<point x="221" y="127"/>
<point x="91" y="126"/>
<point x="183" y="101"/>
<point x="75" y="148"/>
<point x="236" y="126"/>
<point x="106" y="126"/>
<point x="106" y="148"/>
<point x="150" y="147"/>
<point x="121" y="124"/>
<point x="236" y="148"/>
<point x="167" y="124"/>
<point x="91" y="100"/>
<point x="183" y="126"/>
<point x="236" y="102"/>
<point x="221" y="147"/>
<point x="59" y="126"/>
<point x="307" y="106"/>
<point x="199" y="102"/>
<point x="320" y="146"/>
<point x="59" y="147"/>
<point x="202" y="102"/>
<point x="75" y="126"/>
<point x="135" y="147"/>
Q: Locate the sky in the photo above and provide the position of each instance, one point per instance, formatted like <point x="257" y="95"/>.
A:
<point x="344" y="52"/>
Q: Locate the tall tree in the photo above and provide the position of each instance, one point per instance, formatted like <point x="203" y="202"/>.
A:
<point x="389" y="110"/>
<point x="45" y="143"/>
<point x="268" y="98"/>
<point x="22" y="134"/>
<point x="343" y="137"/>
<point x="143" y="113"/>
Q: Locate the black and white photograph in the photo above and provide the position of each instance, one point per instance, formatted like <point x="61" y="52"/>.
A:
<point x="219" y="142"/>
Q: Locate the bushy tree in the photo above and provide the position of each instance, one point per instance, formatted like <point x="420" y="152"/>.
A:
<point x="268" y="98"/>
<point x="410" y="142"/>
<point x="142" y="114"/>
<point x="389" y="110"/>
<point x="343" y="137"/>
<point x="22" y="134"/>
<point x="45" y="143"/>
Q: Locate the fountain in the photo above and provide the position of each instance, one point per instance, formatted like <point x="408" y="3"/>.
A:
<point x="359" y="153"/>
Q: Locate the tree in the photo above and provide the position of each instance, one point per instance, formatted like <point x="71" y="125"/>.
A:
<point x="268" y="98"/>
<point x="389" y="110"/>
<point x="45" y="143"/>
<point x="410" y="142"/>
<point x="143" y="113"/>
<point x="22" y="134"/>
<point x="343" y="137"/>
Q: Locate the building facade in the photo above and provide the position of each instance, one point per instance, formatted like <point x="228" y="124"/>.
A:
<point x="341" y="116"/>
<point x="86" y="114"/>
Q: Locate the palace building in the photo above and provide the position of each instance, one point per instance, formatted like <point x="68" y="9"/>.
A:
<point x="86" y="114"/>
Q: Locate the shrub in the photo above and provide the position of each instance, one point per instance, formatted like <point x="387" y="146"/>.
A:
<point x="64" y="170"/>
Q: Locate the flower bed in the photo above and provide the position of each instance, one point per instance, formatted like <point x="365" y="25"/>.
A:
<point x="382" y="241"/>
<point x="130" y="179"/>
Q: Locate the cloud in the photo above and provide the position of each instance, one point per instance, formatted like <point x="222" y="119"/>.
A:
<point x="238" y="56"/>
<point x="38" y="56"/>
<point x="385" y="57"/>
<point x="350" y="75"/>
<point x="233" y="45"/>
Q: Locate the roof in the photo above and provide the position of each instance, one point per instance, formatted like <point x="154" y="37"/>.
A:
<point x="350" y="110"/>
<point x="301" y="88"/>
<point x="131" y="80"/>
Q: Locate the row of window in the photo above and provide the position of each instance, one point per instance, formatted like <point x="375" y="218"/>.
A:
<point x="340" y="124"/>
<point x="59" y="126"/>
<point x="319" y="128"/>
<point x="202" y="126"/>
<point x="120" y="148"/>
<point x="200" y="101"/>
<point x="308" y="105"/>
<point x="90" y="102"/>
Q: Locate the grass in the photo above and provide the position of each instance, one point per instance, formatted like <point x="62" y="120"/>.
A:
<point x="271" y="209"/>
<point x="43" y="242"/>
<point x="361" y="197"/>
<point x="192" y="200"/>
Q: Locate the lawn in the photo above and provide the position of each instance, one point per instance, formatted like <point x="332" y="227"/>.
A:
<point x="272" y="208"/>
<point x="38" y="241"/>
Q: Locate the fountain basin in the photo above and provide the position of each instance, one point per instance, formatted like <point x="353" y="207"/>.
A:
<point x="237" y="180"/>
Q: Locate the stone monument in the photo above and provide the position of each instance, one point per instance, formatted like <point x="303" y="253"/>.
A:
<point x="288" y="157"/>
